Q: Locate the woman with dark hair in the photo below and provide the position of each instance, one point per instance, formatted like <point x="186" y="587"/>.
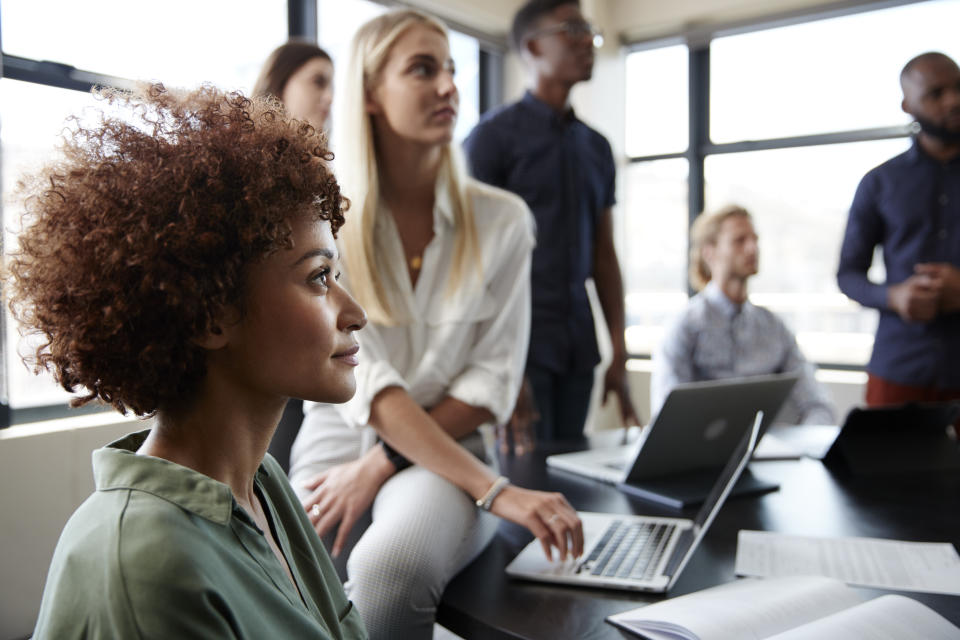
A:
<point x="180" y="263"/>
<point x="300" y="75"/>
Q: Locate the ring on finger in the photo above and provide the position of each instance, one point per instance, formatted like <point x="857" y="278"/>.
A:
<point x="552" y="518"/>
<point x="315" y="510"/>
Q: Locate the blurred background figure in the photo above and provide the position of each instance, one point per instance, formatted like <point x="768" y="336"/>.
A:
<point x="564" y="170"/>
<point x="300" y="75"/>
<point x="910" y="207"/>
<point x="721" y="334"/>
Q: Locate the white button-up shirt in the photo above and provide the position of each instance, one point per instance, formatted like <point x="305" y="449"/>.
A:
<point x="469" y="344"/>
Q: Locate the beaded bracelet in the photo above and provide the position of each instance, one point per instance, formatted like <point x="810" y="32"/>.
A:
<point x="486" y="500"/>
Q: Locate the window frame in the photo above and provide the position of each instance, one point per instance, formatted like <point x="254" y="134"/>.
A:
<point x="701" y="146"/>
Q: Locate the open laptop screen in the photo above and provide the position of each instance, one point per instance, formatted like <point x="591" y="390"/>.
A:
<point x="691" y="538"/>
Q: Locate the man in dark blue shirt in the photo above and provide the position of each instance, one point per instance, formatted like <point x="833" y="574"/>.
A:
<point x="910" y="206"/>
<point x="564" y="170"/>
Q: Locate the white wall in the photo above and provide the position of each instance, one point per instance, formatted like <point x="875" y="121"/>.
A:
<point x="489" y="16"/>
<point x="45" y="474"/>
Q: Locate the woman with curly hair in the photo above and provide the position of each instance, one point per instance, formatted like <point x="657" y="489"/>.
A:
<point x="181" y="264"/>
<point x="300" y="75"/>
<point x="441" y="263"/>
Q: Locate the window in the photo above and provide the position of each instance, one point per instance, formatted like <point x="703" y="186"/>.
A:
<point x="653" y="251"/>
<point x="32" y="116"/>
<point x="823" y="76"/>
<point x="652" y="217"/>
<point x="834" y="81"/>
<point x="656" y="108"/>
<point x="180" y="43"/>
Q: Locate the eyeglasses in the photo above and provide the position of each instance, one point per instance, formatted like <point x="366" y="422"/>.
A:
<point x="574" y="29"/>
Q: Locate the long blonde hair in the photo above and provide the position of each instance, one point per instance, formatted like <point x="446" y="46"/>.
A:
<point x="358" y="172"/>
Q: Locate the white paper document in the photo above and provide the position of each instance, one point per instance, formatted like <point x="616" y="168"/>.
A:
<point x="932" y="567"/>
<point x="797" y="608"/>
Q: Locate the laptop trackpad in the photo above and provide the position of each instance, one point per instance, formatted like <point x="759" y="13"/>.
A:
<point x="688" y="489"/>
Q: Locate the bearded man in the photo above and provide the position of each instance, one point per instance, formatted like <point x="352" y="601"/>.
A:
<point x="910" y="207"/>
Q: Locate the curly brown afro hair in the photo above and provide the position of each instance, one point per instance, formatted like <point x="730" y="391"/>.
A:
<point x="138" y="239"/>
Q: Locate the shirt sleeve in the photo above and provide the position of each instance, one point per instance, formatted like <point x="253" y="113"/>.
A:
<point x="484" y="155"/>
<point x="610" y="188"/>
<point x="808" y="402"/>
<point x="494" y="371"/>
<point x="864" y="231"/>
<point x="672" y="362"/>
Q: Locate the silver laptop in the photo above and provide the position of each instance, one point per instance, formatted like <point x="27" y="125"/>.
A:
<point x="641" y="553"/>
<point x="677" y="457"/>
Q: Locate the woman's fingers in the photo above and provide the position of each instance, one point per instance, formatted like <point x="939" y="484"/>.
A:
<point x="346" y="525"/>
<point x="564" y="524"/>
<point x="548" y="516"/>
<point x="327" y="521"/>
<point x="544" y="535"/>
<point x="315" y="481"/>
<point x="322" y="510"/>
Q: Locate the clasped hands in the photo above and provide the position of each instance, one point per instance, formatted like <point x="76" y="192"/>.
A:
<point x="934" y="288"/>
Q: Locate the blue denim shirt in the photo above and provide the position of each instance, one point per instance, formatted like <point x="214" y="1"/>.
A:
<point x="910" y="206"/>
<point x="564" y="170"/>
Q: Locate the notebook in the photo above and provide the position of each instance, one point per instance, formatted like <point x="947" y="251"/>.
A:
<point x="677" y="458"/>
<point x="641" y="553"/>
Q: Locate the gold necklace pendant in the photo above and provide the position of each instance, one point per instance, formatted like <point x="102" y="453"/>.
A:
<point x="416" y="262"/>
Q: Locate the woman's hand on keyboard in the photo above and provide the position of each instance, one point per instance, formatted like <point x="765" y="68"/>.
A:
<point x="547" y="515"/>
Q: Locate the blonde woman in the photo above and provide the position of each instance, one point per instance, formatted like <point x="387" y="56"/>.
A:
<point x="441" y="263"/>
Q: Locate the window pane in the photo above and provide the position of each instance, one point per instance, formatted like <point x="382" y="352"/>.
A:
<point x="823" y="76"/>
<point x="339" y="21"/>
<point x="32" y="118"/>
<point x="179" y="42"/>
<point x="465" y="52"/>
<point x="656" y="105"/>
<point x="651" y="230"/>
<point x="799" y="199"/>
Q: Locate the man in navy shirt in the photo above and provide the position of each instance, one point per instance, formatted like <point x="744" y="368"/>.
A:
<point x="564" y="170"/>
<point x="910" y="206"/>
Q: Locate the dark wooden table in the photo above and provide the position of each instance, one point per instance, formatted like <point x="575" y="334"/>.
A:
<point x="483" y="602"/>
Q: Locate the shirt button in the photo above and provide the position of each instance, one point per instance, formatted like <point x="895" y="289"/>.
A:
<point x="944" y="199"/>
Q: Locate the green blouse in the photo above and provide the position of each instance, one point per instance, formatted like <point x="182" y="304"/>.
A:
<point x="162" y="551"/>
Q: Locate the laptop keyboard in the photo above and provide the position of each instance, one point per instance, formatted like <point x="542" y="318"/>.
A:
<point x="629" y="550"/>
